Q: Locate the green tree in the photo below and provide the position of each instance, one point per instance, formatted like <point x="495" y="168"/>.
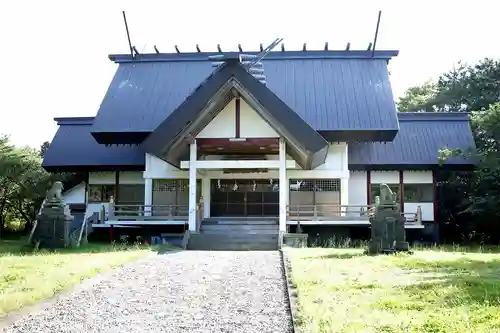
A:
<point x="471" y="201"/>
<point x="44" y="147"/>
<point x="464" y="88"/>
<point x="418" y="98"/>
<point x="23" y="183"/>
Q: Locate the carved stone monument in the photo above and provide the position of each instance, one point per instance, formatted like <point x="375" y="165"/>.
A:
<point x="53" y="222"/>
<point x="388" y="233"/>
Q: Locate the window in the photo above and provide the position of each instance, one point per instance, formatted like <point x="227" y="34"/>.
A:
<point x="315" y="191"/>
<point x="131" y="194"/>
<point x="375" y="191"/>
<point x="173" y="191"/>
<point x="415" y="193"/>
<point x="101" y="193"/>
<point x="324" y="194"/>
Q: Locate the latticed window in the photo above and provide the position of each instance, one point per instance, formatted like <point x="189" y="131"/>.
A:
<point x="245" y="185"/>
<point x="173" y="191"/>
<point x="315" y="185"/>
<point x="327" y="185"/>
<point x="165" y="185"/>
<point x="315" y="191"/>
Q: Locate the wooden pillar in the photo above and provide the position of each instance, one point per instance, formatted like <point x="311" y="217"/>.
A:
<point x="284" y="188"/>
<point x="344" y="195"/>
<point x="401" y="191"/>
<point x="435" y="206"/>
<point x="148" y="196"/>
<point x="368" y="187"/>
<point x="192" y="186"/>
<point x="111" y="234"/>
<point x="87" y="175"/>
<point x="117" y="189"/>
<point x="205" y="193"/>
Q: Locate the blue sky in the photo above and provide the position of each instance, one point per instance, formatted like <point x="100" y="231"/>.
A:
<point x="54" y="53"/>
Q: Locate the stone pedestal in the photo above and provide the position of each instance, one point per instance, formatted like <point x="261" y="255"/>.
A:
<point x="295" y="240"/>
<point x="53" y="226"/>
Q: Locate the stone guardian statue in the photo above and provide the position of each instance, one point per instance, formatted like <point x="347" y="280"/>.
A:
<point x="388" y="234"/>
<point x="54" y="221"/>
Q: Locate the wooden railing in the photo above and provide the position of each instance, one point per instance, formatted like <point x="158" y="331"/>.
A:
<point x="153" y="212"/>
<point x="326" y="211"/>
<point x="414" y="218"/>
<point x="147" y="212"/>
<point x="303" y="212"/>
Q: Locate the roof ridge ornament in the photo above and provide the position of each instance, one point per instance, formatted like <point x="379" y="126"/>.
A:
<point x="251" y="62"/>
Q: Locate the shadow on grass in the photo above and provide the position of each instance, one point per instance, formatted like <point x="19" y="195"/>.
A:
<point x="21" y="247"/>
<point x="468" y="282"/>
<point x="343" y="255"/>
<point x="457" y="248"/>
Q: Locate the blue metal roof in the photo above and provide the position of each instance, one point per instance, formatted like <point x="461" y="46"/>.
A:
<point x="330" y="90"/>
<point x="420" y="137"/>
<point x="74" y="146"/>
<point x="308" y="147"/>
<point x="416" y="145"/>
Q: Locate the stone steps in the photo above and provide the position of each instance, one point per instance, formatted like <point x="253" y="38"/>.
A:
<point x="247" y="242"/>
<point x="236" y="234"/>
<point x="238" y="222"/>
<point x="237" y="230"/>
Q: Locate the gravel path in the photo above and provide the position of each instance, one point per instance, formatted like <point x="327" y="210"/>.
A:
<point x="185" y="291"/>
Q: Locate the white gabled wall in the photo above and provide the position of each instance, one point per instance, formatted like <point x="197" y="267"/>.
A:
<point x="336" y="159"/>
<point x="224" y="124"/>
<point x="252" y="125"/>
<point x="159" y="169"/>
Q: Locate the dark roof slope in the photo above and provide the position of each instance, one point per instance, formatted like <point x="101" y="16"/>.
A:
<point x="308" y="147"/>
<point x="417" y="143"/>
<point x="416" y="146"/>
<point x="73" y="148"/>
<point x="330" y="90"/>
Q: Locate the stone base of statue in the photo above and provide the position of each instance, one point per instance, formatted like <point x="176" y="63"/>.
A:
<point x="388" y="233"/>
<point x="402" y="246"/>
<point x="53" y="226"/>
<point x="377" y="248"/>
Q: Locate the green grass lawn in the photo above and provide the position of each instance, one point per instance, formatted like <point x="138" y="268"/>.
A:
<point x="28" y="277"/>
<point x="342" y="290"/>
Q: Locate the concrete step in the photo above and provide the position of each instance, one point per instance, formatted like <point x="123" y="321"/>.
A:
<point x="235" y="238"/>
<point x="233" y="247"/>
<point x="239" y="222"/>
<point x="239" y="230"/>
<point x="233" y="242"/>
